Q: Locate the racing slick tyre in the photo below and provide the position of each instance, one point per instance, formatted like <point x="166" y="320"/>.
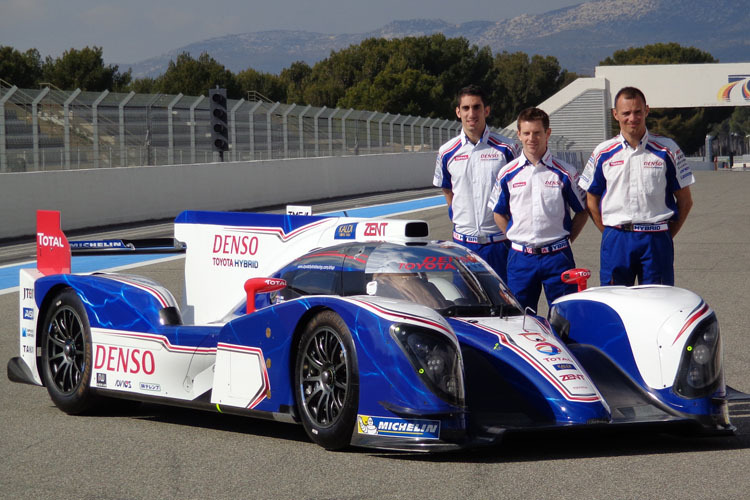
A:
<point x="67" y="357"/>
<point x="326" y="381"/>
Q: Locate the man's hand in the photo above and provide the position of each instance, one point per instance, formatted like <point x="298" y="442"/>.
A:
<point x="448" y="196"/>
<point x="684" y="203"/>
<point x="501" y="221"/>
<point x="592" y="205"/>
<point x="576" y="225"/>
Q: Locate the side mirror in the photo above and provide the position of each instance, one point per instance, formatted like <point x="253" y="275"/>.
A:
<point x="261" y="285"/>
<point x="577" y="276"/>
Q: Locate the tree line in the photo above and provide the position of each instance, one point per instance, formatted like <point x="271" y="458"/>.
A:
<point x="412" y="76"/>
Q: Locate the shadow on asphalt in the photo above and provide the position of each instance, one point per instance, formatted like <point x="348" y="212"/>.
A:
<point x="571" y="444"/>
<point x="216" y="421"/>
<point x="526" y="446"/>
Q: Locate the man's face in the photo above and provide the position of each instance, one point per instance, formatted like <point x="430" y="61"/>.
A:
<point x="473" y="114"/>
<point x="631" y="115"/>
<point x="534" y="138"/>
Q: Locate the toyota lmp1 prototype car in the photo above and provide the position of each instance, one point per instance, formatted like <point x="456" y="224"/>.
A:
<point x="367" y="333"/>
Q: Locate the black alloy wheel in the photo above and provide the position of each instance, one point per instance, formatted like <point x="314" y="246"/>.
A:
<point x="326" y="381"/>
<point x="67" y="353"/>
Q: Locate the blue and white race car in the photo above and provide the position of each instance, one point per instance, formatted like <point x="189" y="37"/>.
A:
<point x="367" y="333"/>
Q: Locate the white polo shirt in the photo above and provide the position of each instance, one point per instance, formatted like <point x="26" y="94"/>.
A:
<point x="538" y="199"/>
<point x="470" y="170"/>
<point x="637" y="185"/>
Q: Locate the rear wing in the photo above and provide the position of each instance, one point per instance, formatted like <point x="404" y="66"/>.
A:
<point x="145" y="245"/>
<point x="53" y="250"/>
<point x="225" y="249"/>
<point x="52" y="247"/>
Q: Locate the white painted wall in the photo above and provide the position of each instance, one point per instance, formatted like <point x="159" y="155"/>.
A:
<point x="682" y="85"/>
<point x="581" y="112"/>
<point x="98" y="197"/>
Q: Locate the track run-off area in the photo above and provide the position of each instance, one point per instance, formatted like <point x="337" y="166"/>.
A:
<point x="148" y="451"/>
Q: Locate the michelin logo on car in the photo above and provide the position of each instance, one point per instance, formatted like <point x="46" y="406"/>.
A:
<point x="396" y="427"/>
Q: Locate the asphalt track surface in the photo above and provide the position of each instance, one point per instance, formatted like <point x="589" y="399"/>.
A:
<point x="151" y="452"/>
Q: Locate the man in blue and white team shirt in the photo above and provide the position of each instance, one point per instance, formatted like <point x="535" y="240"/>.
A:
<point x="639" y="197"/>
<point x="466" y="169"/>
<point x="533" y="200"/>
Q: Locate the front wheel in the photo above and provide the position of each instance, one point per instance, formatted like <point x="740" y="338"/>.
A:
<point x="67" y="354"/>
<point x="327" y="381"/>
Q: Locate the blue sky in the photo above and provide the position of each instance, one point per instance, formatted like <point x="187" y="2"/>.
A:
<point x="134" y="30"/>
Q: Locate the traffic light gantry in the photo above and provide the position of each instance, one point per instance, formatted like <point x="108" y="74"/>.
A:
<point x="219" y="121"/>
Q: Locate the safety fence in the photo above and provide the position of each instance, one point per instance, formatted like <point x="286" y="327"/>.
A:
<point x="49" y="129"/>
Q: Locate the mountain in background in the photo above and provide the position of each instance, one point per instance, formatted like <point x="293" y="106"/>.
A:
<point x="579" y="36"/>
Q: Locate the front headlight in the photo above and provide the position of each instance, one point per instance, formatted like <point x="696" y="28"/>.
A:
<point x="434" y="358"/>
<point x="700" y="367"/>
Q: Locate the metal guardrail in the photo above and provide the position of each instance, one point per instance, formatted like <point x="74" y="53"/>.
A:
<point x="47" y="129"/>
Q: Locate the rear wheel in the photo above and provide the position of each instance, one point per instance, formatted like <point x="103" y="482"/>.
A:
<point x="327" y="381"/>
<point x="67" y="357"/>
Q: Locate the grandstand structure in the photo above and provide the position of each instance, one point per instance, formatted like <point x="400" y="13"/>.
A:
<point x="49" y="129"/>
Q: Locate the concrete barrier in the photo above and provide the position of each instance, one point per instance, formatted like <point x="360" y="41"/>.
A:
<point x="99" y="197"/>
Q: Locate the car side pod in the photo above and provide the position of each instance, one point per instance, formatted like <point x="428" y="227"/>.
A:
<point x="578" y="276"/>
<point x="261" y="285"/>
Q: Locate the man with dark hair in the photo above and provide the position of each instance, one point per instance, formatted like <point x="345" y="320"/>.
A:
<point x="532" y="201"/>
<point x="639" y="197"/>
<point x="466" y="169"/>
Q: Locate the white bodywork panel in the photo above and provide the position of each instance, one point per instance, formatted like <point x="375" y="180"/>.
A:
<point x="28" y="316"/>
<point x="544" y="351"/>
<point x="241" y="378"/>
<point x="657" y="336"/>
<point x="148" y="364"/>
<point x="220" y="257"/>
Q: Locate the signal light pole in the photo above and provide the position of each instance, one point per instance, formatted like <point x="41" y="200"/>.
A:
<point x="217" y="99"/>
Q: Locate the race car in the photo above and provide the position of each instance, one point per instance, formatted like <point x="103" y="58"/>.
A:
<point x="366" y="332"/>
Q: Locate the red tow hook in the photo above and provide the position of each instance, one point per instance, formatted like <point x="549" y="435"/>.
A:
<point x="261" y="285"/>
<point x="578" y="276"/>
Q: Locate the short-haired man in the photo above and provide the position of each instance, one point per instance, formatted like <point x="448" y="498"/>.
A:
<point x="639" y="197"/>
<point x="533" y="198"/>
<point x="466" y="169"/>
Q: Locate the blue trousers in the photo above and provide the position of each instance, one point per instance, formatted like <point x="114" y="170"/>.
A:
<point x="495" y="254"/>
<point x="528" y="273"/>
<point x="627" y="255"/>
